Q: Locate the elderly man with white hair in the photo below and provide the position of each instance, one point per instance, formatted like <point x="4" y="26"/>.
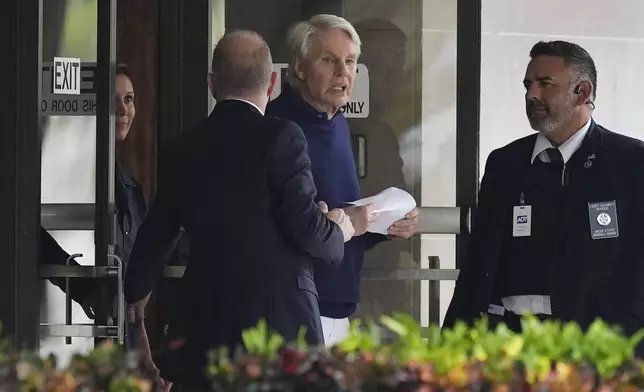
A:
<point x="324" y="53"/>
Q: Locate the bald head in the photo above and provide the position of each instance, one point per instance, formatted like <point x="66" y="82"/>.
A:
<point x="241" y="65"/>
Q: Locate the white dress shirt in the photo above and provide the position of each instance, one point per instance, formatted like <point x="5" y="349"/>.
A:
<point x="567" y="149"/>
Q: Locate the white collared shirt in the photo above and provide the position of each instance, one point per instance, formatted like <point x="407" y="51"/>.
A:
<point x="243" y="100"/>
<point x="567" y="149"/>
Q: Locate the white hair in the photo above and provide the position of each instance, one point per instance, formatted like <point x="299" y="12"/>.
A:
<point x="299" y="37"/>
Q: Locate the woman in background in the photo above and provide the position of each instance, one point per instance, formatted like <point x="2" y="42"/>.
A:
<point x="98" y="300"/>
<point x="130" y="210"/>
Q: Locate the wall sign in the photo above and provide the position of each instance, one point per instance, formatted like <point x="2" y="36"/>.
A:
<point x="68" y="88"/>
<point x="66" y="75"/>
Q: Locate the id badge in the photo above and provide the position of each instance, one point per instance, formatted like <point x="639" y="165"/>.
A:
<point x="603" y="220"/>
<point x="522" y="221"/>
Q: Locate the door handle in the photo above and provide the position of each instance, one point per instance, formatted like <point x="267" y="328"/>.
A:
<point x="359" y="144"/>
<point x="120" y="299"/>
<point x="68" y="297"/>
<point x="69" y="330"/>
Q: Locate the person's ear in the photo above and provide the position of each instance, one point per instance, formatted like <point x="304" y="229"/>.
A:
<point x="298" y="68"/>
<point x="584" y="91"/>
<point x="272" y="84"/>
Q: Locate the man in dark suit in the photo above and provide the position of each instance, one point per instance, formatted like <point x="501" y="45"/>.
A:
<point x="559" y="227"/>
<point x="241" y="186"/>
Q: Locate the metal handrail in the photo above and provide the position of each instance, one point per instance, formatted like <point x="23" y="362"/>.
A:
<point x="67" y="216"/>
<point x="68" y="297"/>
<point x="371" y="274"/>
<point x="80" y="330"/>
<point x="432" y="274"/>
<point x="69" y="330"/>
<point x="77" y="271"/>
<point x="433" y="220"/>
<point x="444" y="220"/>
<point x="120" y="297"/>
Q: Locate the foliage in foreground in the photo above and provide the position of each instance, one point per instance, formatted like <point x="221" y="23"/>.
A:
<point x="106" y="368"/>
<point x="548" y="356"/>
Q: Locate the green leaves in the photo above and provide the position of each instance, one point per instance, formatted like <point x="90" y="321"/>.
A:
<point x="259" y="341"/>
<point x="547" y="355"/>
<point x="544" y="352"/>
<point x="410" y="344"/>
<point x="361" y="339"/>
<point x="606" y="348"/>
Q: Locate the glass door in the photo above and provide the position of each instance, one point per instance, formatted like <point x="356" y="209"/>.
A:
<point x="77" y="178"/>
<point x="402" y="118"/>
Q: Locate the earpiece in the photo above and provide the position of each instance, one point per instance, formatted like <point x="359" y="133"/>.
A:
<point x="588" y="102"/>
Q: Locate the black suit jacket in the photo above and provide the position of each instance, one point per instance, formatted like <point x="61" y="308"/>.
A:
<point x="241" y="186"/>
<point x="589" y="278"/>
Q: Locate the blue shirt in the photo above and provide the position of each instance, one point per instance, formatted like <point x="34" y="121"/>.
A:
<point x="334" y="173"/>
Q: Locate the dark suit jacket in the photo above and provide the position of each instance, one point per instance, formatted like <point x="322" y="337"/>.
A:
<point x="589" y="278"/>
<point x="241" y="186"/>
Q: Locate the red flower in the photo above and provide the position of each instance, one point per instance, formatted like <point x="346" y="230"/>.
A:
<point x="290" y="360"/>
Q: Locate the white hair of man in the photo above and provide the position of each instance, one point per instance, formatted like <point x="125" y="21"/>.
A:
<point x="299" y="38"/>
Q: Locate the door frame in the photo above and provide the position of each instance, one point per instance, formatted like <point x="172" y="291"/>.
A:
<point x="20" y="130"/>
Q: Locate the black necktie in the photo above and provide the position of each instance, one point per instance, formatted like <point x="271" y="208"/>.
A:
<point x="554" y="154"/>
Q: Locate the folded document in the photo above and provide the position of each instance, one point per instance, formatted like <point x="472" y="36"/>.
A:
<point x="392" y="205"/>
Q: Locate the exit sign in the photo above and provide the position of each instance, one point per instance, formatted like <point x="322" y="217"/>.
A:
<point x="66" y="79"/>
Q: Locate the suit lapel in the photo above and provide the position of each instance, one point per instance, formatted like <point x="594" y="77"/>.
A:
<point x="589" y="161"/>
<point x="519" y="172"/>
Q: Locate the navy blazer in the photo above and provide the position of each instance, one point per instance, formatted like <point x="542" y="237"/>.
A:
<point x="241" y="186"/>
<point x="590" y="278"/>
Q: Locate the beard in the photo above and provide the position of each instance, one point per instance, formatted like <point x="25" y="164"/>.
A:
<point x="544" y="119"/>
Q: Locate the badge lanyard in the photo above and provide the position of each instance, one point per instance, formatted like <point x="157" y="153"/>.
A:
<point x="522" y="219"/>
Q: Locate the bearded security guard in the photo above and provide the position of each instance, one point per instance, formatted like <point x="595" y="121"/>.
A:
<point x="559" y="229"/>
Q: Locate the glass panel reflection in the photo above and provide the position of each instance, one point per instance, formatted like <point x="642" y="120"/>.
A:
<point x="68" y="158"/>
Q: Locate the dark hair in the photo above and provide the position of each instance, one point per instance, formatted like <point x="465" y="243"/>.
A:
<point x="239" y="69"/>
<point x="121" y="69"/>
<point x="575" y="58"/>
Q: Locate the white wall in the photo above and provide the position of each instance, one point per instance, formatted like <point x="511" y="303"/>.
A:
<point x="613" y="34"/>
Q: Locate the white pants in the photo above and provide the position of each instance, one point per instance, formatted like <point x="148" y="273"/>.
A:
<point x="334" y="330"/>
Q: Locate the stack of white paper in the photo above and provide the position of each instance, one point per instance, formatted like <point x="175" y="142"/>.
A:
<point x="392" y="204"/>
